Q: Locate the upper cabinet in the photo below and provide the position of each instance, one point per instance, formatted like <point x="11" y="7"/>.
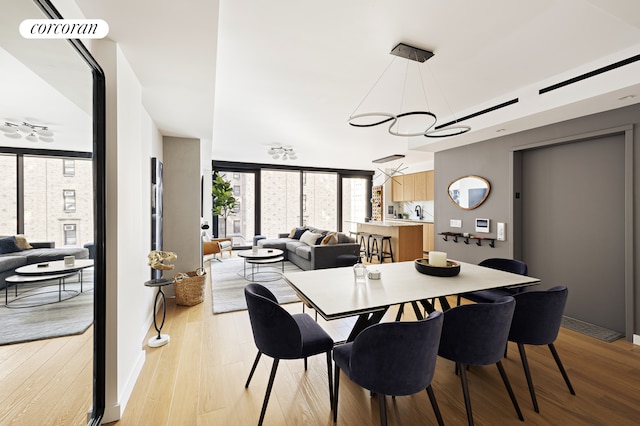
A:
<point x="412" y="187"/>
<point x="409" y="187"/>
<point x="397" y="188"/>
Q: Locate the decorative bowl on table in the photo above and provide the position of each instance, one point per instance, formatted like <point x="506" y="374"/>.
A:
<point x="451" y="270"/>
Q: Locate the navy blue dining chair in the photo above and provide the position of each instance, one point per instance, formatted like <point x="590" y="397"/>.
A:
<point x="536" y="321"/>
<point x="393" y="358"/>
<point x="491" y="295"/>
<point x="476" y="334"/>
<point x="282" y="335"/>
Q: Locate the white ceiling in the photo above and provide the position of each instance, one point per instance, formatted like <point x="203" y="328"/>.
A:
<point x="249" y="73"/>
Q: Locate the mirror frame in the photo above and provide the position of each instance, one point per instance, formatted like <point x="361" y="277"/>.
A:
<point x="99" y="220"/>
<point x="478" y="204"/>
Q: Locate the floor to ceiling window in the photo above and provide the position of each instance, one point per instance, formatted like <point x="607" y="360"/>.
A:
<point x="240" y="224"/>
<point x="290" y="196"/>
<point x="354" y="202"/>
<point x="319" y="199"/>
<point x="8" y="195"/>
<point x="280" y="207"/>
<point x="58" y="200"/>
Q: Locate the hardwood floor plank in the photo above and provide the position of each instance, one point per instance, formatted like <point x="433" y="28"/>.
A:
<point x="198" y="378"/>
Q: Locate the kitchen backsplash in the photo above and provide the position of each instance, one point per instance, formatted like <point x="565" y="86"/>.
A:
<point x="409" y="208"/>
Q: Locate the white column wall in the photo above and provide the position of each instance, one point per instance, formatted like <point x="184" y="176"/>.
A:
<point x="132" y="139"/>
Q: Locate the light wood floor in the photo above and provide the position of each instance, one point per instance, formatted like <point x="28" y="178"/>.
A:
<point x="198" y="379"/>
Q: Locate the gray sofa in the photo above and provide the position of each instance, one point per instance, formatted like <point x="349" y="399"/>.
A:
<point x="310" y="257"/>
<point x="41" y="252"/>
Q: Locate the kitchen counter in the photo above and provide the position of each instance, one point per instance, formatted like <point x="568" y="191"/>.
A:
<point x="394" y="222"/>
<point x="410" y="220"/>
<point x="406" y="237"/>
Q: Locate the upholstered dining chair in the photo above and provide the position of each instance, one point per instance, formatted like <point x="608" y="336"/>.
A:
<point x="491" y="295"/>
<point x="282" y="335"/>
<point x="394" y="358"/>
<point x="536" y="321"/>
<point x="476" y="334"/>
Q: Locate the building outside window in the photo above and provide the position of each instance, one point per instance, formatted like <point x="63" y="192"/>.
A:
<point x="69" y="196"/>
<point x="68" y="167"/>
<point x="70" y="236"/>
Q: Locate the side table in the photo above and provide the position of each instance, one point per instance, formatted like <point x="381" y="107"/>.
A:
<point x="161" y="339"/>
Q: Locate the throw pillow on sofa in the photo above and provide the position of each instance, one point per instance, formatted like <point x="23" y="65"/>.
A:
<point x="330" y="239"/>
<point x="298" y="233"/>
<point x="309" y="238"/>
<point x="8" y="245"/>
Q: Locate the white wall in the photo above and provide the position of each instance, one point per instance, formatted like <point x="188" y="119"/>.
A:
<point x="132" y="139"/>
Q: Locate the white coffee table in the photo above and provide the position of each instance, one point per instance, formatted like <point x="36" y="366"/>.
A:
<point x="47" y="271"/>
<point x="15" y="280"/>
<point x="259" y="257"/>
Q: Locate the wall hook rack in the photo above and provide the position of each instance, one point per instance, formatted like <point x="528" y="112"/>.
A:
<point x="455" y="235"/>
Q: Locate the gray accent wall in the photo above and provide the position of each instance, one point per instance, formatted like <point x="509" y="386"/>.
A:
<point x="499" y="161"/>
<point x="182" y="203"/>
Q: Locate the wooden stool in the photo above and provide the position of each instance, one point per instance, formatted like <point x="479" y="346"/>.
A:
<point x="377" y="248"/>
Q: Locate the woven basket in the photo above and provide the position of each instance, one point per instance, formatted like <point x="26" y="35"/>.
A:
<point x="189" y="287"/>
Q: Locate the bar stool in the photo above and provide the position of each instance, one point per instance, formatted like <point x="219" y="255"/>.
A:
<point x="364" y="238"/>
<point x="377" y="248"/>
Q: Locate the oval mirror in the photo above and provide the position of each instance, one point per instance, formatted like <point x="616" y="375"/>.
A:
<point x="468" y="192"/>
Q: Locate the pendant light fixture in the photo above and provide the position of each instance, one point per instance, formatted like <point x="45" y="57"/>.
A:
<point x="419" y="122"/>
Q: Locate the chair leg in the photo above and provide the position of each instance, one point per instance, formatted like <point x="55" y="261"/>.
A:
<point x="336" y="384"/>
<point x="272" y="376"/>
<point x="253" y="369"/>
<point x="505" y="379"/>
<point x="458" y="301"/>
<point x="330" y="379"/>
<point x="305" y="363"/>
<point x="382" y="401"/>
<point x="465" y="391"/>
<point x="527" y="373"/>
<point x="400" y="312"/>
<point x="564" y="373"/>
<point x="434" y="404"/>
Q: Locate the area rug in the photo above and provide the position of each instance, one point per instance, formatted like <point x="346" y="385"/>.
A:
<point x="228" y="282"/>
<point x="590" y="329"/>
<point x="69" y="317"/>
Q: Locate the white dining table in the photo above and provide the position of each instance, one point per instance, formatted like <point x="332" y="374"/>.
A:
<point x="334" y="293"/>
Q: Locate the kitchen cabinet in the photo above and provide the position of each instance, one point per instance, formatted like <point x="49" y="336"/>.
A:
<point x="397" y="188"/>
<point x="409" y="187"/>
<point x="428" y="237"/>
<point x="412" y="187"/>
<point x="406" y="237"/>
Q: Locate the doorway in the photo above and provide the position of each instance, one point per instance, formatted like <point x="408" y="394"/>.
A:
<point x="573" y="225"/>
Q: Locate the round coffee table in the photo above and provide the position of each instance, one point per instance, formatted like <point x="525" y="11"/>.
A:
<point x="259" y="257"/>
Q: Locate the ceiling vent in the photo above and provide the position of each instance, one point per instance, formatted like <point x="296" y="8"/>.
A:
<point x="475" y="114"/>
<point x="590" y="74"/>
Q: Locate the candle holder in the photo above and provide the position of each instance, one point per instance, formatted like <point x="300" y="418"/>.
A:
<point x="451" y="270"/>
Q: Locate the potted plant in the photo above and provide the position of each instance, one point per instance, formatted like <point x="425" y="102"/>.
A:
<point x="223" y="200"/>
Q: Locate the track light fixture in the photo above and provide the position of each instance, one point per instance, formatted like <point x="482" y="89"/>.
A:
<point x="31" y="132"/>
<point x="286" y="152"/>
